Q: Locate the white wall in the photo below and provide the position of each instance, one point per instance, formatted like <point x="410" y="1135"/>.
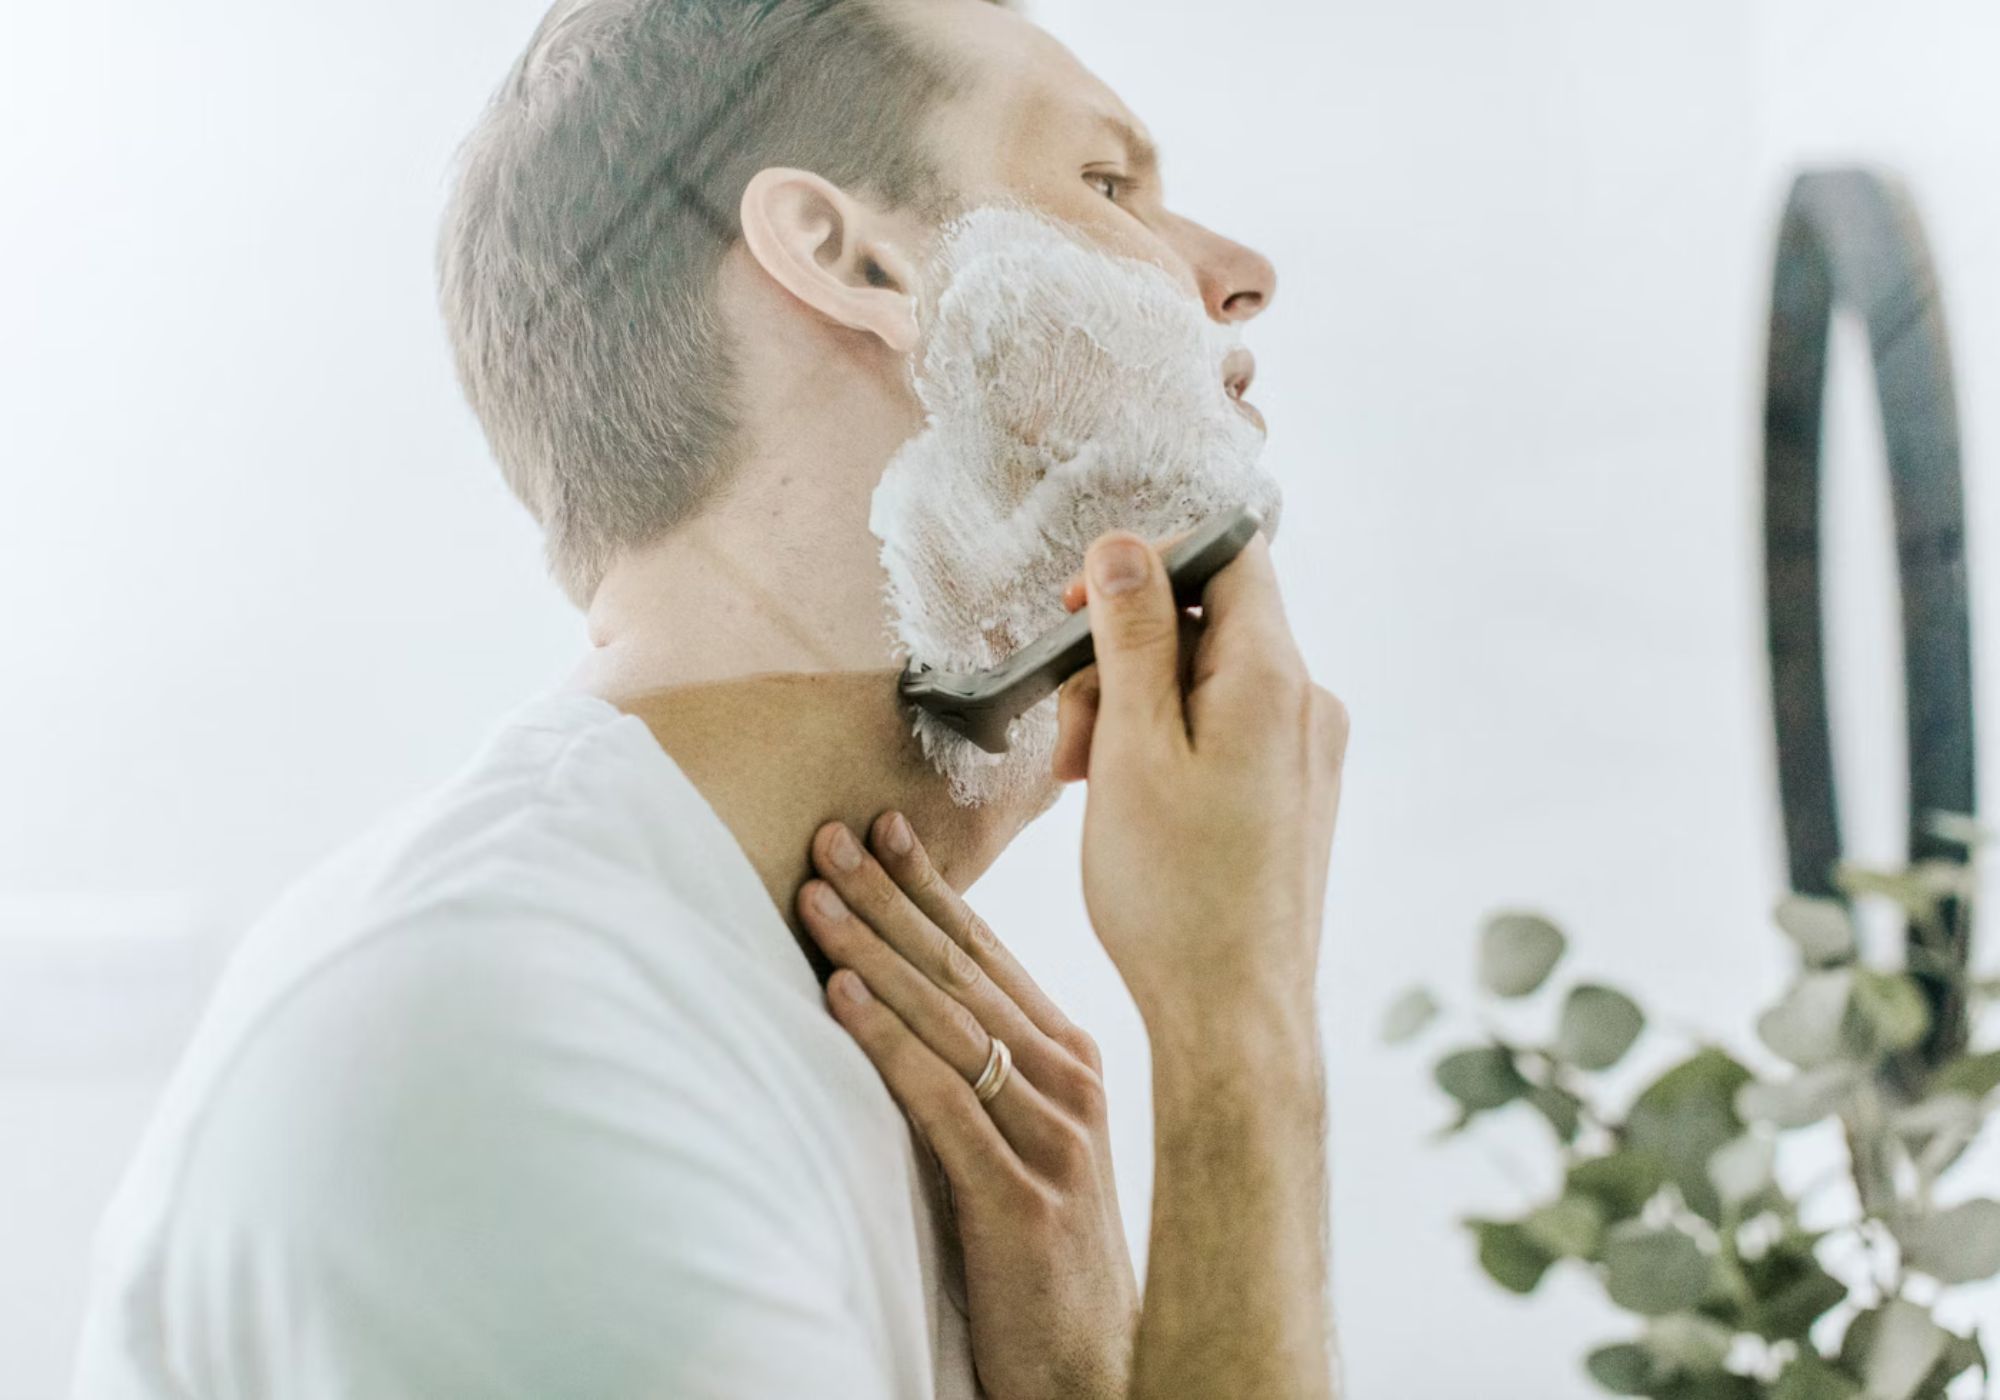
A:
<point x="260" y="582"/>
<point x="259" y="579"/>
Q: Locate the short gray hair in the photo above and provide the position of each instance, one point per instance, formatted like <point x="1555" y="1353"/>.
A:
<point x="593" y="205"/>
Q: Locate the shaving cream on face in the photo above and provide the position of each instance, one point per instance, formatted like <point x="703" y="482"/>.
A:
<point x="1067" y="391"/>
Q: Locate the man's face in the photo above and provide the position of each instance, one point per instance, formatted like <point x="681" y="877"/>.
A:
<point x="1075" y="371"/>
<point x="1032" y="124"/>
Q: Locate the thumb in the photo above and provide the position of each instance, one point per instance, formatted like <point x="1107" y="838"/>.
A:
<point x="1135" y="629"/>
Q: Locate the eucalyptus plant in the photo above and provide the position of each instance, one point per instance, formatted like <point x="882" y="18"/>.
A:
<point x="1674" y="1204"/>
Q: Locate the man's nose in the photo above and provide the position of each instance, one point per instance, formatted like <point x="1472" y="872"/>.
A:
<point x="1236" y="282"/>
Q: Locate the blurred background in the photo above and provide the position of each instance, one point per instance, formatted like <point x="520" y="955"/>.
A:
<point x="259" y="581"/>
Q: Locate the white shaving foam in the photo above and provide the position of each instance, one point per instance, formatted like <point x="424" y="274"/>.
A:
<point x="1067" y="391"/>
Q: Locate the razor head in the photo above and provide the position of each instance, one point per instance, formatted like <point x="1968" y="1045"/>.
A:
<point x="981" y="705"/>
<point x="963" y="702"/>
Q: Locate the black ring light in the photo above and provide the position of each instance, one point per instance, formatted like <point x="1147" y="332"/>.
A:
<point x="1851" y="239"/>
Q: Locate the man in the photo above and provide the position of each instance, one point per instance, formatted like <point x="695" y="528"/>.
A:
<point x="770" y="310"/>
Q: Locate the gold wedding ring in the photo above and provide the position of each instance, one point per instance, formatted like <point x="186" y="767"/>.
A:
<point x="999" y="1063"/>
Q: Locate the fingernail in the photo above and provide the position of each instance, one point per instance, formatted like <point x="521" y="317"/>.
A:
<point x="843" y="852"/>
<point x="853" y="988"/>
<point x="1118" y="567"/>
<point x="827" y="902"/>
<point x="896" y="834"/>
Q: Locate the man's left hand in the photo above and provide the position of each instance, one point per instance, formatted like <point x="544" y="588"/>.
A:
<point x="924" y="986"/>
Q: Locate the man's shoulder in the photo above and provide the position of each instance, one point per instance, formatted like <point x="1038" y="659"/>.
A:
<point x="567" y="767"/>
<point x="530" y="1054"/>
<point x="536" y="960"/>
<point x="551" y="822"/>
<point x="484" y="1034"/>
<point x="518" y="945"/>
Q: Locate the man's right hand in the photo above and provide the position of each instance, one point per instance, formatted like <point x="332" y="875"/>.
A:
<point x="1214" y="780"/>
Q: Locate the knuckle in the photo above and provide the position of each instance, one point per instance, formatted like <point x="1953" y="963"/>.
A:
<point x="1083" y="1092"/>
<point x="1137" y="627"/>
<point x="1080" y="1043"/>
<point x="962" y="1025"/>
<point x="1330" y="714"/>
<point x="1166" y="711"/>
<point x="1288" y="674"/>
<point x="980" y="939"/>
<point x="1071" y="1150"/>
<point x="924" y="877"/>
<point x="1276" y="675"/>
<point x="957" y="972"/>
<point x="873" y="897"/>
<point x="1033" y="1206"/>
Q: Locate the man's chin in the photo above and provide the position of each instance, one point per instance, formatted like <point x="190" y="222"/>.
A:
<point x="1254" y="414"/>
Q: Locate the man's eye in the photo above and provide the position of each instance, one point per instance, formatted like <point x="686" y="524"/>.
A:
<point x="1108" y="184"/>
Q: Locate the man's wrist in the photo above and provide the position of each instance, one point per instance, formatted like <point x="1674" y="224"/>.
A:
<point x="1243" y="1044"/>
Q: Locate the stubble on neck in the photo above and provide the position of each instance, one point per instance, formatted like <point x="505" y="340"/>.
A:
<point x="779" y="754"/>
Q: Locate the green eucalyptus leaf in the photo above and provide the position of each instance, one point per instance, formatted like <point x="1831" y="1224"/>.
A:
<point x="1960" y="1244"/>
<point x="1517" y="952"/>
<point x="1720" y="1386"/>
<point x="1563" y="1109"/>
<point x="1481" y="1079"/>
<point x="1889" y="1011"/>
<point x="1598" y="1026"/>
<point x="1899" y="886"/>
<point x="1973" y="1075"/>
<point x="1620" y="1183"/>
<point x="1937" y="1129"/>
<point x="1807" y="1027"/>
<point x="1688" y="1344"/>
<point x="1810" y="1378"/>
<point x="1509" y="1256"/>
<point x="1802" y="1100"/>
<point x="1681" y="1355"/>
<point x="1822" y="928"/>
<point x="1625" y="1368"/>
<point x="1945" y="879"/>
<point x="1959" y="827"/>
<point x="1940" y="1113"/>
<point x="1683" y="1117"/>
<point x="1961" y="1354"/>
<point x="1789" y="1290"/>
<point x="1654" y="1272"/>
<point x="1409" y="1015"/>
<point x="1741" y="1168"/>
<point x="1568" y="1227"/>
<point x="1893" y="1349"/>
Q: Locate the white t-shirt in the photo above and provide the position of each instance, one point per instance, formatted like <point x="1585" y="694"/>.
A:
<point x="528" y="1093"/>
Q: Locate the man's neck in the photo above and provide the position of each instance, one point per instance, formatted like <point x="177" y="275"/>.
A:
<point x="778" y="755"/>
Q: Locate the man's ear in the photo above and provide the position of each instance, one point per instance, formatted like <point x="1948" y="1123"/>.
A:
<point x="832" y="252"/>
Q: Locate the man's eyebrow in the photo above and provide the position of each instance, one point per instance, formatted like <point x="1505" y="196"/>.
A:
<point x="1140" y="151"/>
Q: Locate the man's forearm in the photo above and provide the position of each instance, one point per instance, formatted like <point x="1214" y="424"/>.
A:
<point x="1235" y="1298"/>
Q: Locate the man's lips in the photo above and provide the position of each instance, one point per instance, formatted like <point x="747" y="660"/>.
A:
<point x="1239" y="367"/>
